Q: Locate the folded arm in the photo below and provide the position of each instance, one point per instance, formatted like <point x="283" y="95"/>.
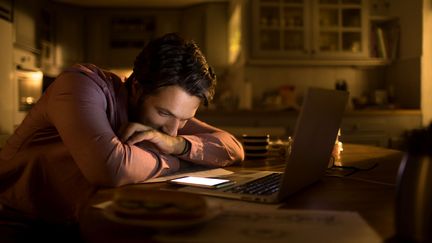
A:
<point x="206" y="145"/>
<point x="78" y="108"/>
<point x="210" y="145"/>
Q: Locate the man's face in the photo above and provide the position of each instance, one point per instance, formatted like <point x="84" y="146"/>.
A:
<point x="168" y="110"/>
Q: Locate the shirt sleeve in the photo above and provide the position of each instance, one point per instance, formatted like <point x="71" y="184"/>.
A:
<point x="77" y="107"/>
<point x="210" y="146"/>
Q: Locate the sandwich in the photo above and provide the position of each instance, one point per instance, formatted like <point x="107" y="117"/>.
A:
<point x="151" y="204"/>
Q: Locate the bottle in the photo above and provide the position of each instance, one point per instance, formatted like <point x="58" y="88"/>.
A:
<point x="341" y="85"/>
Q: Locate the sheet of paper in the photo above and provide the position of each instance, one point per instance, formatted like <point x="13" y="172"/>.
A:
<point x="253" y="222"/>
<point x="279" y="226"/>
<point x="200" y="173"/>
<point x="233" y="204"/>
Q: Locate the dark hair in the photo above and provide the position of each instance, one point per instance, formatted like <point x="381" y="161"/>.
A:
<point x="171" y="60"/>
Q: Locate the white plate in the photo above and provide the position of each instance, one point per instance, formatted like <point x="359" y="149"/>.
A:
<point x="212" y="212"/>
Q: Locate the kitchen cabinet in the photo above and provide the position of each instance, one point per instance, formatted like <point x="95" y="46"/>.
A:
<point x="384" y="31"/>
<point x="6" y="10"/>
<point x="309" y="29"/>
<point x="25" y="29"/>
<point x="115" y="37"/>
<point x="69" y="36"/>
<point x="25" y="18"/>
<point x="379" y="128"/>
<point x="365" y="130"/>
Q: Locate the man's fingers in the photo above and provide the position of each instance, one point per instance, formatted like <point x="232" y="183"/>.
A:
<point x="165" y="143"/>
<point x="131" y="129"/>
<point x="126" y="133"/>
<point x="140" y="136"/>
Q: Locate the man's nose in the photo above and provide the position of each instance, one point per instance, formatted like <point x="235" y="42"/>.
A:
<point x="172" y="127"/>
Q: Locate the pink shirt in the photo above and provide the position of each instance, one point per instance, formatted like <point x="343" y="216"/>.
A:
<point x="67" y="147"/>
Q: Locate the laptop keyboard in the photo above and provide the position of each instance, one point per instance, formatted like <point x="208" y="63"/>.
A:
<point x="262" y="186"/>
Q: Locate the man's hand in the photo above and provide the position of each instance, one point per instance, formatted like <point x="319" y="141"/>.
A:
<point x="135" y="133"/>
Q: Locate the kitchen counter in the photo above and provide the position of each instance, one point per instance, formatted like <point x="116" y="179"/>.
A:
<point x="384" y="112"/>
<point x="378" y="127"/>
<point x="349" y="112"/>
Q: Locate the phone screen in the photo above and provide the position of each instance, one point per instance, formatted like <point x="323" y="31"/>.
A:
<point x="202" y="181"/>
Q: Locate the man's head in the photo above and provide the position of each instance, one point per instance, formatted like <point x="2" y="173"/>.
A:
<point x="170" y="79"/>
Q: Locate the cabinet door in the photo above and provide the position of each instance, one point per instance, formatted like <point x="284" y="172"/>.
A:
<point x="280" y="28"/>
<point x="25" y="15"/>
<point x="309" y="28"/>
<point x="365" y="130"/>
<point x="339" y="28"/>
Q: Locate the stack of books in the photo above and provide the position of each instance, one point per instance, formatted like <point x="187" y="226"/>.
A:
<point x="385" y="40"/>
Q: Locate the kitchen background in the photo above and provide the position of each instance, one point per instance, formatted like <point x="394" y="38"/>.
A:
<point x="265" y="53"/>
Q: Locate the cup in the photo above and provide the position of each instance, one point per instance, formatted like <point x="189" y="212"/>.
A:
<point x="280" y="148"/>
<point x="255" y="146"/>
<point x="380" y="97"/>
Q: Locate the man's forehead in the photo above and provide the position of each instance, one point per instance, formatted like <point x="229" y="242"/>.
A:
<point x="182" y="116"/>
<point x="176" y="101"/>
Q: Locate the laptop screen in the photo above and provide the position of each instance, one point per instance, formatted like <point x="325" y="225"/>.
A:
<point x="314" y="137"/>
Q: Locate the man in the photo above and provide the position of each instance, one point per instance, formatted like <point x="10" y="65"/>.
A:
<point x="90" y="130"/>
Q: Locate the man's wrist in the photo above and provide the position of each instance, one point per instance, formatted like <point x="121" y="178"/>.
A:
<point x="186" y="147"/>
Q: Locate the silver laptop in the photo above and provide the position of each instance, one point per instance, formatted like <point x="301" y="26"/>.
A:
<point x="314" y="137"/>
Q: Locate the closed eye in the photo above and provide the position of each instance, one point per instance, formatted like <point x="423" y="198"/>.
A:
<point x="164" y="113"/>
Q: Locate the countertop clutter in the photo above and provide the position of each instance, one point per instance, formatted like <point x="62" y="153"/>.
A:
<point x="294" y="112"/>
<point x="378" y="127"/>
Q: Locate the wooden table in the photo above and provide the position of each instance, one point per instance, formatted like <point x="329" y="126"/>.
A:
<point x="369" y="192"/>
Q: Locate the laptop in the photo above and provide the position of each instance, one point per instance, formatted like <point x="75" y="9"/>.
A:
<point x="313" y="140"/>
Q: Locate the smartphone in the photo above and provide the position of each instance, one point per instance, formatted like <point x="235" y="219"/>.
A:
<point x="202" y="182"/>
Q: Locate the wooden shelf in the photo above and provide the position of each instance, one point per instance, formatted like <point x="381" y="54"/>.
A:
<point x="332" y="62"/>
<point x="378" y="18"/>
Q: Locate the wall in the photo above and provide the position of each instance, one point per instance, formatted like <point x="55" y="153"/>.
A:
<point x="193" y="22"/>
<point x="231" y="83"/>
<point x="216" y="35"/>
<point x="6" y="75"/>
<point x="206" y="24"/>
<point x="405" y="72"/>
<point x="426" y="62"/>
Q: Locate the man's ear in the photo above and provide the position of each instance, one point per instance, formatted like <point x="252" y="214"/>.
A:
<point x="136" y="91"/>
